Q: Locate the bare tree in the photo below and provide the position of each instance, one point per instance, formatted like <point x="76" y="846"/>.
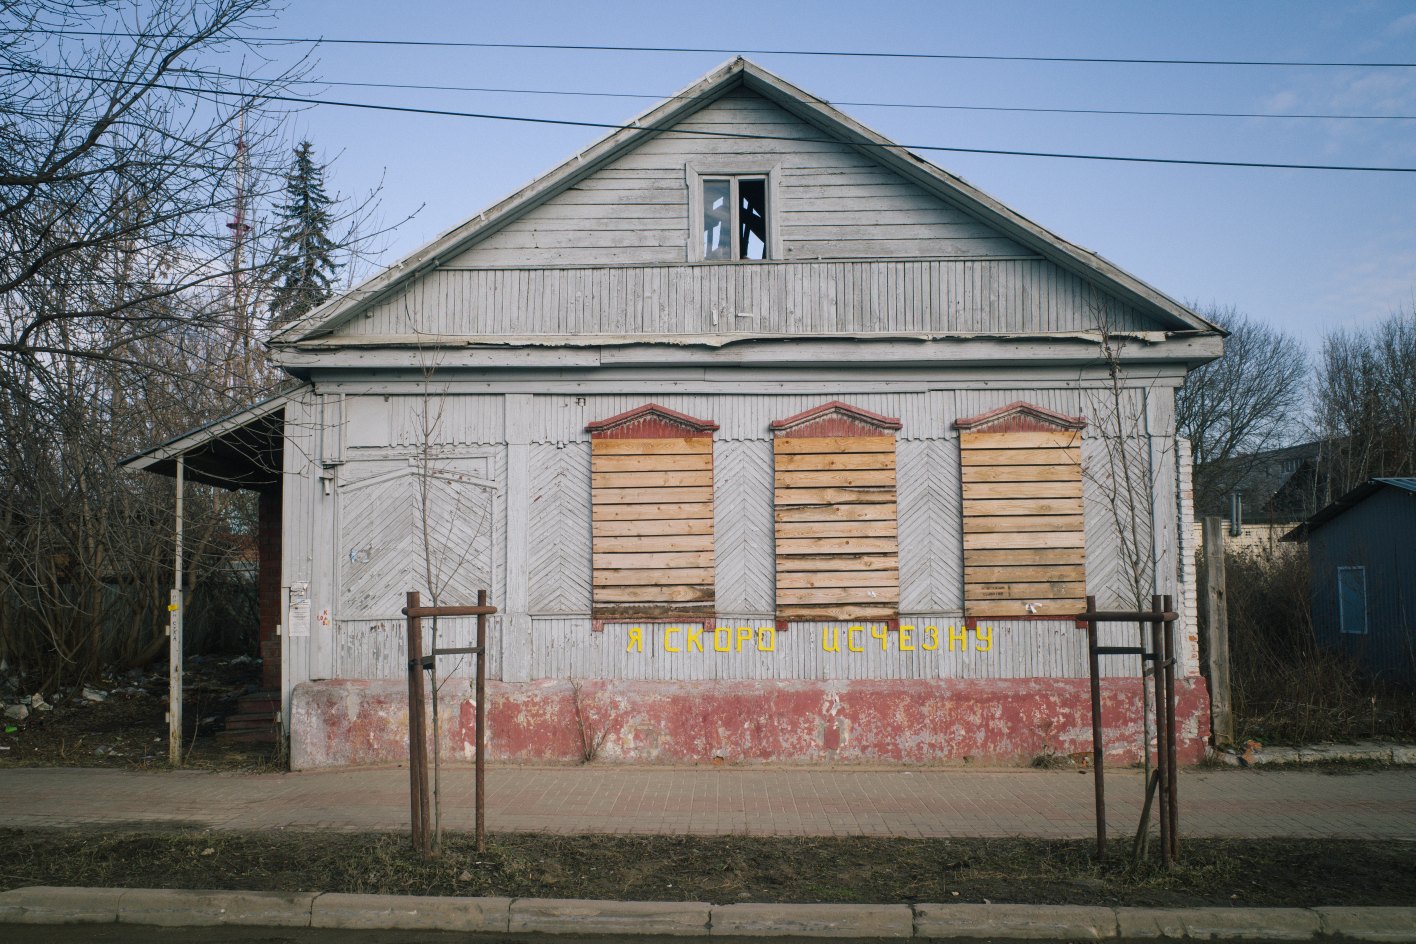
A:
<point x="1366" y="401"/>
<point x="117" y="163"/>
<point x="1246" y="402"/>
<point x="135" y="161"/>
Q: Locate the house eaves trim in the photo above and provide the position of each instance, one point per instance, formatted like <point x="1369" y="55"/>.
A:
<point x="201" y="435"/>
<point x="816" y="112"/>
<point x="725" y="339"/>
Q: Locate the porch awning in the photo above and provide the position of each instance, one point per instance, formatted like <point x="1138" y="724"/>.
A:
<point x="241" y="450"/>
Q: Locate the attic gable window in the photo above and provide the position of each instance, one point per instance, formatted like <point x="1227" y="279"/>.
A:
<point x="732" y="202"/>
<point x="734" y="218"/>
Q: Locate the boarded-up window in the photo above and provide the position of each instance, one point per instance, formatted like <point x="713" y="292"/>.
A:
<point x="1024" y="540"/>
<point x="651" y="488"/>
<point x="837" y="547"/>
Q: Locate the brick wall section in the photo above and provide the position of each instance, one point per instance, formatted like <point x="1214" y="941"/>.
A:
<point x="268" y="585"/>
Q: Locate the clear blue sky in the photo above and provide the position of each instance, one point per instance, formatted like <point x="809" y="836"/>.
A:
<point x="1308" y="250"/>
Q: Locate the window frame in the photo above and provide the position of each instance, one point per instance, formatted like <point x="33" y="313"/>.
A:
<point x="696" y="173"/>
<point x="1342" y="629"/>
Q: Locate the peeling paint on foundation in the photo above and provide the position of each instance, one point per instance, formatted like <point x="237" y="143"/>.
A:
<point x="344" y="722"/>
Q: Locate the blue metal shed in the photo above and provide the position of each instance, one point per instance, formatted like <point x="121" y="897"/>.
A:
<point x="1362" y="555"/>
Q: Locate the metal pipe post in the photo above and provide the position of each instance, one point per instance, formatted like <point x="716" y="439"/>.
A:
<point x="1157" y="678"/>
<point x="481" y="723"/>
<point x="1171" y="764"/>
<point x="417" y="738"/>
<point x="1098" y="782"/>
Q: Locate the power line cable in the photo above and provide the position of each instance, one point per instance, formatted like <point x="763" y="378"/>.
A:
<point x="587" y="47"/>
<point x="736" y="135"/>
<point x="408" y="86"/>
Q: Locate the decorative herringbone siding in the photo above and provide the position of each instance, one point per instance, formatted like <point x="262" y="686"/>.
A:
<point x="390" y="544"/>
<point x="931" y="565"/>
<point x="742" y="513"/>
<point x="559" y="569"/>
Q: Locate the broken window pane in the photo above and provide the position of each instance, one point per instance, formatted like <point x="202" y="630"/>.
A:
<point x="752" y="219"/>
<point x="717" y="219"/>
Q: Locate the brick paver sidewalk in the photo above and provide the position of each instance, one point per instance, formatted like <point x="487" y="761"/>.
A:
<point x="761" y="801"/>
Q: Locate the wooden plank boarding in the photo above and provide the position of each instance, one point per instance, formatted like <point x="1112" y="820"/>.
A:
<point x="1058" y="489"/>
<point x="833" y="496"/>
<point x="856" y="563"/>
<point x="686" y="576"/>
<point x="1022" y="506"/>
<point x="1001" y="457"/>
<point x="1026" y="539"/>
<point x="980" y="525"/>
<point x="1018" y="609"/>
<point x="652" y="516"/>
<point x="838" y="478"/>
<point x="1031" y="592"/>
<point x="1017" y="473"/>
<point x="854" y="512"/>
<point x="836" y="529"/>
<point x="1027" y="573"/>
<point x="651" y="526"/>
<point x="649" y="496"/>
<point x="675" y="511"/>
<point x="801" y="462"/>
<point x="832" y="445"/>
<point x="837" y="545"/>
<point x="1024" y="526"/>
<point x="661" y="463"/>
<point x="1061" y="439"/>
<point x="672" y="478"/>
<point x="698" y="445"/>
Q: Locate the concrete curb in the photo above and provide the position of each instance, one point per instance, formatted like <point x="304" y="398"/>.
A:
<point x="184" y="908"/>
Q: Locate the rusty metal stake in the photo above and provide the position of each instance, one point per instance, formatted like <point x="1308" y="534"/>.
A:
<point x="1097" y="747"/>
<point x="481" y="723"/>
<point x="420" y="802"/>
<point x="1171" y="764"/>
<point x="1161" y="726"/>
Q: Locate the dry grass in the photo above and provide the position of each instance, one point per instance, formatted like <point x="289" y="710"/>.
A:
<point x="1286" y="689"/>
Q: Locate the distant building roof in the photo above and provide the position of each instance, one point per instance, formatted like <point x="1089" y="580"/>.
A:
<point x="1356" y="496"/>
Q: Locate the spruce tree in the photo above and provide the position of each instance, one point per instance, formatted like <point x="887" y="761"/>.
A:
<point x="304" y="267"/>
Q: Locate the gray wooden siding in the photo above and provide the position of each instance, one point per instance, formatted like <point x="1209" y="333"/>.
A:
<point x="940" y="296"/>
<point x="560" y="643"/>
<point x="835" y="202"/>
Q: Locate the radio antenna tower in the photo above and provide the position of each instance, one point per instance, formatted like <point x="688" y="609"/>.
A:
<point x="239" y="228"/>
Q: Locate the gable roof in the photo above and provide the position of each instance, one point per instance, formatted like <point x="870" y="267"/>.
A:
<point x="1347" y="502"/>
<point x="660" y="119"/>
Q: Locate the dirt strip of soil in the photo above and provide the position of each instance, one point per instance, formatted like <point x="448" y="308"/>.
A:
<point x="720" y="869"/>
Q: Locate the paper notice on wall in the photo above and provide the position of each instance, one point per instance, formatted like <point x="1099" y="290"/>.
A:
<point x="299" y="620"/>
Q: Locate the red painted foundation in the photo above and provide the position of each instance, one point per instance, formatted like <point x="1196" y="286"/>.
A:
<point x="343" y="722"/>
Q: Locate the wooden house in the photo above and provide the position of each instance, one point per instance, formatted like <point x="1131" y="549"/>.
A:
<point x="770" y="439"/>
